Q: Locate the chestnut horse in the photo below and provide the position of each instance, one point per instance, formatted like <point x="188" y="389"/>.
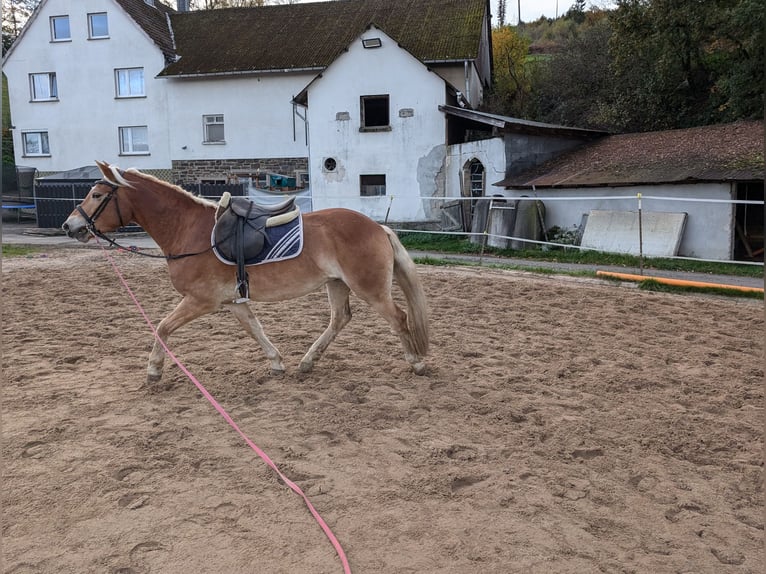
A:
<point x="343" y="251"/>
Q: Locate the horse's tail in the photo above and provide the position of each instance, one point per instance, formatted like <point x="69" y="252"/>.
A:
<point x="406" y="276"/>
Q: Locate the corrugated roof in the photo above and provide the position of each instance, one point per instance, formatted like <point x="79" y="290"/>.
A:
<point x="726" y="152"/>
<point x="153" y="20"/>
<point x="312" y="35"/>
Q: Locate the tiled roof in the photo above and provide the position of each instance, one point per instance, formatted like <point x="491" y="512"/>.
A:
<point x="726" y="152"/>
<point x="312" y="35"/>
<point x="153" y="20"/>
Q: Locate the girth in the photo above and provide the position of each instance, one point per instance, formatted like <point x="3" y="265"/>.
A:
<point x="239" y="235"/>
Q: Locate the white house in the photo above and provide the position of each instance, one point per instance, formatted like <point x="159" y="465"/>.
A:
<point x="343" y="96"/>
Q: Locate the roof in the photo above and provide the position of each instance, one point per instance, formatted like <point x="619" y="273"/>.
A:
<point x="719" y="153"/>
<point x="152" y="20"/>
<point x="310" y="36"/>
<point x="518" y="125"/>
<point x="85" y="173"/>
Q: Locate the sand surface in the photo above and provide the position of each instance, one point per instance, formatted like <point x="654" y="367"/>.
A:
<point x="564" y="426"/>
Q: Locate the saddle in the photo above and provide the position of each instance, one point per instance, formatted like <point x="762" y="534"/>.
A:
<point x="239" y="234"/>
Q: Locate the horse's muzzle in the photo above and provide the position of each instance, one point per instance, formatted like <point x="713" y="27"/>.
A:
<point x="76" y="229"/>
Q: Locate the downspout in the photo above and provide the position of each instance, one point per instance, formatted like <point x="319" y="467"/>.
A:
<point x="467" y="82"/>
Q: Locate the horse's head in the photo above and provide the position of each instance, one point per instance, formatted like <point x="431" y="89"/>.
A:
<point x="100" y="211"/>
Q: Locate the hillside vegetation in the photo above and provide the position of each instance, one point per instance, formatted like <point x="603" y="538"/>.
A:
<point x="644" y="65"/>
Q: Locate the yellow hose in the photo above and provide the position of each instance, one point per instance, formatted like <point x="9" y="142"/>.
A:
<point x="677" y="282"/>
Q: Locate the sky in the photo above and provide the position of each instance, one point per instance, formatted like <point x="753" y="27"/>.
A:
<point x="531" y="10"/>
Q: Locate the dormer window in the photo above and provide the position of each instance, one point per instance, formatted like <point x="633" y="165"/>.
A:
<point x="60" y="29"/>
<point x="98" y="26"/>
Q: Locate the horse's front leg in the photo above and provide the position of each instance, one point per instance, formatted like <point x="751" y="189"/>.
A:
<point x="253" y="326"/>
<point x="187" y="310"/>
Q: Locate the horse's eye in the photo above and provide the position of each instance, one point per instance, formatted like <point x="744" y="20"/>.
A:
<point x="96" y="196"/>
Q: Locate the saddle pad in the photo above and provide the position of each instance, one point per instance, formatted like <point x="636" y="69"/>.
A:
<point x="283" y="241"/>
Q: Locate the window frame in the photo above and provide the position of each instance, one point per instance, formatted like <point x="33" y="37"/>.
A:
<point x="53" y="20"/>
<point x="206" y="133"/>
<point x="91" y="35"/>
<point x="364" y="187"/>
<point x="124" y="130"/>
<point x="365" y="103"/>
<point x="43" y="141"/>
<point x="117" y="94"/>
<point x="52" y="84"/>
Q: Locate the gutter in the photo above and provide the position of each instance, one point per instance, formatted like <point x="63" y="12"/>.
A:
<point x="241" y="73"/>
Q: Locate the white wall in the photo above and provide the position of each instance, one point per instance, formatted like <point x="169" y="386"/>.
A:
<point x="411" y="154"/>
<point x="490" y="152"/>
<point x="709" y="232"/>
<point x="258" y="116"/>
<point x="83" y="124"/>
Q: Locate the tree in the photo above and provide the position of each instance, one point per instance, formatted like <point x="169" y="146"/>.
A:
<point x="15" y="15"/>
<point x="575" y="82"/>
<point x="681" y="63"/>
<point x="501" y="13"/>
<point x="512" y="77"/>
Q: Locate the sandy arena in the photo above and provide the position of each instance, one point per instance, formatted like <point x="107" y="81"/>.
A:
<point x="566" y="426"/>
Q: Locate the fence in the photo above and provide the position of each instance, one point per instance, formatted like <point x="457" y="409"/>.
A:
<point x="732" y="225"/>
<point x="706" y="222"/>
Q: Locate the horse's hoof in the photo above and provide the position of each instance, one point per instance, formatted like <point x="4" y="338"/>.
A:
<point x="420" y="369"/>
<point x="306" y="366"/>
<point x="153" y="378"/>
<point x="277" y="372"/>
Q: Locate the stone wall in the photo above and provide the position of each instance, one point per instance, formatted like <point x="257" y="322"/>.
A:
<point x="192" y="171"/>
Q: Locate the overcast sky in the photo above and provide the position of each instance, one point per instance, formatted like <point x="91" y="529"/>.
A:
<point x="531" y="10"/>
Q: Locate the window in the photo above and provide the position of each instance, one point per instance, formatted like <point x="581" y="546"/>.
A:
<point x="134" y="140"/>
<point x="130" y="82"/>
<point x="213" y="126"/>
<point x="43" y="87"/>
<point x="98" y="26"/>
<point x="35" y="143"/>
<point x="374" y="113"/>
<point x="372" y="185"/>
<point x="60" y="28"/>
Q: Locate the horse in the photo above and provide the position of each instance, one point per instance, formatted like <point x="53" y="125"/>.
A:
<point x="343" y="251"/>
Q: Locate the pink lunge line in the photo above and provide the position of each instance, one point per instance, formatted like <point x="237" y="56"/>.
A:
<point x="294" y="487"/>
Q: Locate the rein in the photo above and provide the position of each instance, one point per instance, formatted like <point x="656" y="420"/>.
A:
<point x="90" y="224"/>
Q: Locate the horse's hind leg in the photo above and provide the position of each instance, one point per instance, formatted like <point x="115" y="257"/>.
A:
<point x="340" y="315"/>
<point x="253" y="326"/>
<point x="397" y="318"/>
<point x="187" y="310"/>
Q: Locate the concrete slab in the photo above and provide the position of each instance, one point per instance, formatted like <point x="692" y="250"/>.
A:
<point x="617" y="232"/>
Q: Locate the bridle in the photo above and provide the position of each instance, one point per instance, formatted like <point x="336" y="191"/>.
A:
<point x="90" y="220"/>
<point x="90" y="223"/>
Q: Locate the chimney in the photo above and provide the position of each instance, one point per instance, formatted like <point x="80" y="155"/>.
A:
<point x="183" y="5"/>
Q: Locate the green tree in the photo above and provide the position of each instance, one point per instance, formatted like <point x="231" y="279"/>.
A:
<point x="15" y="15"/>
<point x="574" y="84"/>
<point x="680" y="63"/>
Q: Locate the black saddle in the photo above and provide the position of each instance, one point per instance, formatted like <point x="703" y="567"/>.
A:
<point x="239" y="236"/>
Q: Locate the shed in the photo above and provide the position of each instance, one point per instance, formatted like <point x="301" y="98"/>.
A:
<point x="713" y="174"/>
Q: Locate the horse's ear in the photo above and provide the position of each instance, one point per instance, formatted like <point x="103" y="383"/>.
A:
<point x="104" y="167"/>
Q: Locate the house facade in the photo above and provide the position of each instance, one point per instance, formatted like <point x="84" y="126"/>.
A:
<point x="340" y="98"/>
